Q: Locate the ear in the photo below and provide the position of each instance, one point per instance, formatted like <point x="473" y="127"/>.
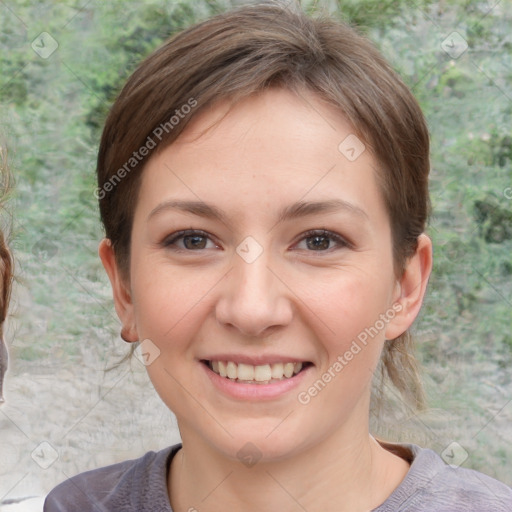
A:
<point x="411" y="289"/>
<point x="122" y="295"/>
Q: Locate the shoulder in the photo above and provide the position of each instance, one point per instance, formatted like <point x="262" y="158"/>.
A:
<point x="431" y="484"/>
<point x="128" y="485"/>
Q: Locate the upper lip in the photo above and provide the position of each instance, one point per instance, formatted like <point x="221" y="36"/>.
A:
<point x="257" y="360"/>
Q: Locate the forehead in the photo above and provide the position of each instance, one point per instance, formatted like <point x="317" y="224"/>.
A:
<point x="275" y="117"/>
<point x="274" y="146"/>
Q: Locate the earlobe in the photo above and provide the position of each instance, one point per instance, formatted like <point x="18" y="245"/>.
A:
<point x="122" y="295"/>
<point x="412" y="287"/>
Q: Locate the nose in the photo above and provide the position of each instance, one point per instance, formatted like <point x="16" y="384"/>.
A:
<point x="255" y="299"/>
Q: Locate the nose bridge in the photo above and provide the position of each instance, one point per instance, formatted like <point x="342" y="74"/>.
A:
<point x="253" y="300"/>
<point x="252" y="276"/>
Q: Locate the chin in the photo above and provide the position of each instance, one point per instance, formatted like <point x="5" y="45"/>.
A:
<point x="264" y="440"/>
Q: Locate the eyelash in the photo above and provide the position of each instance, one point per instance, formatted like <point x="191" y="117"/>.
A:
<point x="172" y="239"/>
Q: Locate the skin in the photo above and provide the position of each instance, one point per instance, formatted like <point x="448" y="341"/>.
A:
<point x="271" y="150"/>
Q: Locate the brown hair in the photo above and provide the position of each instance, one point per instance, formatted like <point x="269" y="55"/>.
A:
<point x="245" y="51"/>
<point x="6" y="267"/>
<point x="6" y="262"/>
<point x="5" y="280"/>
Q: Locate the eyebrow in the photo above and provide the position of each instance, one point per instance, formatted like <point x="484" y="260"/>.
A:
<point x="290" y="212"/>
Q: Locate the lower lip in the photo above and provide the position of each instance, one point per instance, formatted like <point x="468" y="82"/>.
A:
<point x="235" y="389"/>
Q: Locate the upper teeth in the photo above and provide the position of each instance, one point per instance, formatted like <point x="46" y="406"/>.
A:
<point x="260" y="373"/>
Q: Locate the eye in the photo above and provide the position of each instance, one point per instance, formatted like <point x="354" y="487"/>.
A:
<point x="193" y="240"/>
<point x="320" y="240"/>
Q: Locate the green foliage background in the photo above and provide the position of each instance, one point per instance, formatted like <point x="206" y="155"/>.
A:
<point x="51" y="113"/>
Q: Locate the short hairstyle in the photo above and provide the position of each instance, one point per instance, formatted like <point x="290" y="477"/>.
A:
<point x="236" y="54"/>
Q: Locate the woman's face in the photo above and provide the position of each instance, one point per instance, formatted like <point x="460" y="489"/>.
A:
<point x="286" y="259"/>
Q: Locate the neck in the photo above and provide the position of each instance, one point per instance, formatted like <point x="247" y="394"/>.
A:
<point x="345" y="474"/>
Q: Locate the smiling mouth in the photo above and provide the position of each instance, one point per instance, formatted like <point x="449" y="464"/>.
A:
<point x="261" y="374"/>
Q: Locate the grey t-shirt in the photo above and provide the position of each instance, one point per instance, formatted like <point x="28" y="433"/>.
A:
<point x="141" y="486"/>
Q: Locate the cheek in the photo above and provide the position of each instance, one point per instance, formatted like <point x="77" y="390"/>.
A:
<point x="344" y="379"/>
<point x="170" y="308"/>
<point x="351" y="308"/>
<point x="167" y="301"/>
<point x="348" y="304"/>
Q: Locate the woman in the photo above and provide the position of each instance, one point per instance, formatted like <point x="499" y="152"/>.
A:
<point x="263" y="183"/>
